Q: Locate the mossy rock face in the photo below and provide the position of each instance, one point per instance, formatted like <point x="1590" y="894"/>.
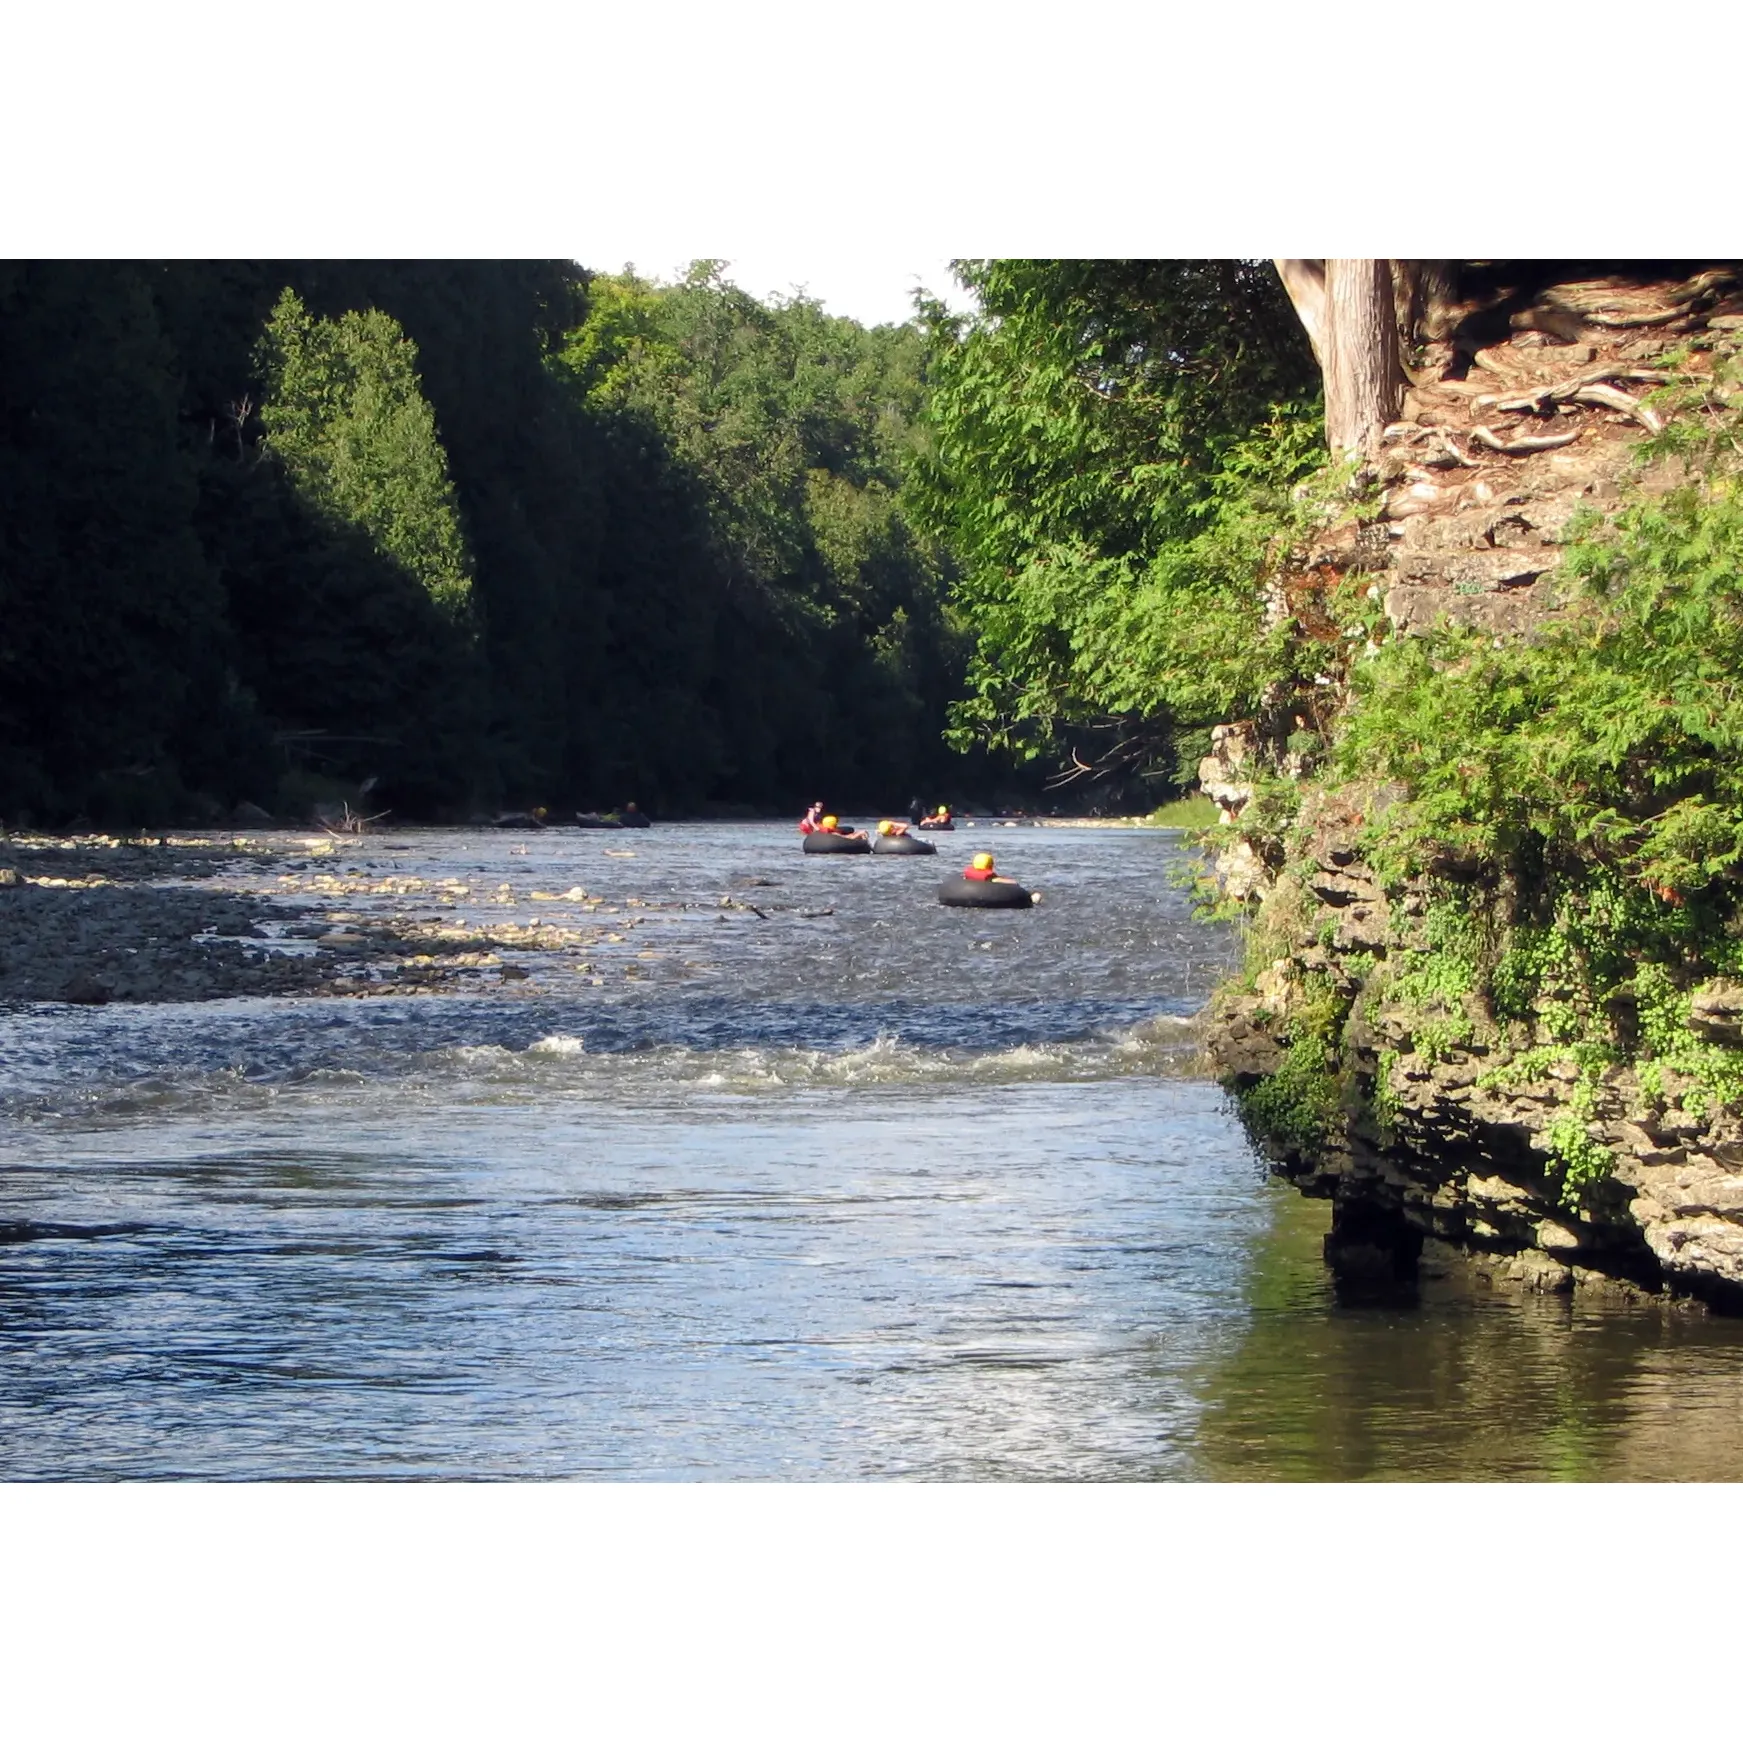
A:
<point x="1487" y="956"/>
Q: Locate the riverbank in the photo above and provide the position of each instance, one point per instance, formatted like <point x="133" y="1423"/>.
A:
<point x="1492" y="996"/>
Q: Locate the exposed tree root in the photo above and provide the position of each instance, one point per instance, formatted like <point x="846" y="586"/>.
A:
<point x="1451" y="454"/>
<point x="1588" y="389"/>
<point x="1521" y="444"/>
<point x="1617" y="400"/>
<point x="1662" y="318"/>
<point x="1681" y="302"/>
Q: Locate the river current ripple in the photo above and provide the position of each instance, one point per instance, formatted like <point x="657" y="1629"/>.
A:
<point x="858" y="1187"/>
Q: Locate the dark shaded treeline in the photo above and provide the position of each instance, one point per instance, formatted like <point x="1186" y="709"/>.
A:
<point x="475" y="533"/>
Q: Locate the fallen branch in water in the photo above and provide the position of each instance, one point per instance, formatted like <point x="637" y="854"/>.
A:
<point x="743" y="907"/>
<point x="351" y="823"/>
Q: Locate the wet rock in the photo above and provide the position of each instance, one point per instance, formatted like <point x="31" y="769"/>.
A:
<point x="1369" y="1244"/>
<point x="85" y="989"/>
<point x="1541" y="1273"/>
<point x="1240" y="1048"/>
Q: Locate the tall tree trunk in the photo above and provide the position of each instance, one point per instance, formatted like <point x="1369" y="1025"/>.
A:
<point x="1351" y="310"/>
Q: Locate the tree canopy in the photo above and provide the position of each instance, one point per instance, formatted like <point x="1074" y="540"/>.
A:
<point x="479" y="533"/>
<point x="1114" y="447"/>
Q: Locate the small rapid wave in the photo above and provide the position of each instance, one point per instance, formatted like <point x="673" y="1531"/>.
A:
<point x="562" y="1066"/>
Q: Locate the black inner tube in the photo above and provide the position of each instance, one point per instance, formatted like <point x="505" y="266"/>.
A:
<point x="822" y="843"/>
<point x="961" y="892"/>
<point x="901" y="844"/>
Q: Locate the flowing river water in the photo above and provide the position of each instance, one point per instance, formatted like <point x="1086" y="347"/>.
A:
<point x="851" y="1187"/>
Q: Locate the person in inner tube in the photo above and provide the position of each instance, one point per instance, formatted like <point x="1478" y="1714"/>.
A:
<point x="982" y="872"/>
<point x="832" y="826"/>
<point x="893" y="830"/>
<point x="812" y="821"/>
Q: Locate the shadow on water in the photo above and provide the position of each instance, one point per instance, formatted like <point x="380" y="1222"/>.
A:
<point x="1457" y="1382"/>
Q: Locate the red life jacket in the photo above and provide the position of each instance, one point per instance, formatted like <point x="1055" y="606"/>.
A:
<point x="806" y="826"/>
<point x="975" y="875"/>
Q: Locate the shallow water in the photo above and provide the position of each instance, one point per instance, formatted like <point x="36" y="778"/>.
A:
<point x="861" y="1188"/>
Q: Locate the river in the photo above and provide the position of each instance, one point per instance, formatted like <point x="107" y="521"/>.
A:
<point x="794" y="1174"/>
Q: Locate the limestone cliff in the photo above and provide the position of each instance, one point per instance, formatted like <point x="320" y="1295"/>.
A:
<point x="1412" y="1105"/>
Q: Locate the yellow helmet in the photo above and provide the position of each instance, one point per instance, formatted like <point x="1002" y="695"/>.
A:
<point x="830" y="822"/>
<point x="983" y="862"/>
<point x="886" y="827"/>
<point x="943" y="811"/>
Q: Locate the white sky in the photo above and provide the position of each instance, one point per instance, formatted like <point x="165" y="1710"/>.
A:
<point x="852" y="150"/>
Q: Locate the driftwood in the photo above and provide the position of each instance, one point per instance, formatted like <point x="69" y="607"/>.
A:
<point x="350" y="823"/>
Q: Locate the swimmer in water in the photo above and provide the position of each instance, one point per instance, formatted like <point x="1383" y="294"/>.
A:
<point x="982" y="871"/>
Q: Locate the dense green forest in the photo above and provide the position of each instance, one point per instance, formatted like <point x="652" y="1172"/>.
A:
<point x="444" y="537"/>
<point x="1118" y="450"/>
<point x="455" y="536"/>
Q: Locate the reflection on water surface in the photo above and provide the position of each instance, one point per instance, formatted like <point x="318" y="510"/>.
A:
<point x="882" y="1192"/>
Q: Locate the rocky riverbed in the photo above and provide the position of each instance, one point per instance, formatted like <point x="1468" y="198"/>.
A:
<point x="95" y="919"/>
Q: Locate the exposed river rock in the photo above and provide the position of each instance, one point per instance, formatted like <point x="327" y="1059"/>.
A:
<point x="94" y="920"/>
<point x="1437" y="1122"/>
